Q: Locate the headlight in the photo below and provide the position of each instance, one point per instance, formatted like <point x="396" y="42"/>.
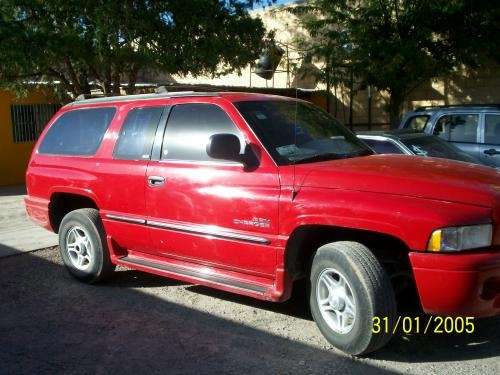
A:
<point x="461" y="238"/>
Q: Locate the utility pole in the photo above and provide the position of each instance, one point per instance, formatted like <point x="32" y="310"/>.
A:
<point x="369" y="89"/>
<point x="351" y="98"/>
<point x="328" y="88"/>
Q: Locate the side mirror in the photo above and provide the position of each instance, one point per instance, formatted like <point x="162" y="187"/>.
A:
<point x="224" y="147"/>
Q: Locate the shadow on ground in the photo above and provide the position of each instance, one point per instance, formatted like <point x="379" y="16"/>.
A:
<point x="6" y="191"/>
<point x="51" y="323"/>
<point x="484" y="342"/>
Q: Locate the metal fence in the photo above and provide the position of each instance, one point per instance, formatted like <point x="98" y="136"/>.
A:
<point x="28" y="120"/>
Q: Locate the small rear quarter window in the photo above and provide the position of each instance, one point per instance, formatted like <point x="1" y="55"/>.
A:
<point x="77" y="132"/>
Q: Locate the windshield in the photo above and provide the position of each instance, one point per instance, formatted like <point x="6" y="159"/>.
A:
<point x="297" y="132"/>
<point x="436" y="147"/>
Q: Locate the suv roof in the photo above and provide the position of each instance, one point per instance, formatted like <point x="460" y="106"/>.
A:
<point x="454" y="107"/>
<point x="175" y="94"/>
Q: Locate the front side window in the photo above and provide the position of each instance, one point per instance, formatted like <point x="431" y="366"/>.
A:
<point x="189" y="128"/>
<point x="492" y="129"/>
<point x="458" y="128"/>
<point x="77" y="132"/>
<point x="298" y="132"/>
<point x="137" y="134"/>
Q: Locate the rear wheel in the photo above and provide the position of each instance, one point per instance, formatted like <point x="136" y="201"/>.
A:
<point x="82" y="243"/>
<point x="348" y="289"/>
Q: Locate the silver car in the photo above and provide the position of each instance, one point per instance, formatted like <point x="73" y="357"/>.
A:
<point x="415" y="143"/>
<point x="474" y="129"/>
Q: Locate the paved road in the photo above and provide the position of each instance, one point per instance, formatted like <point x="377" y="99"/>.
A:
<point x="17" y="232"/>
<point x="138" y="323"/>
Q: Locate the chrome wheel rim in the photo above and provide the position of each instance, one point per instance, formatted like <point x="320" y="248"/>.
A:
<point x="335" y="301"/>
<point x="79" y="248"/>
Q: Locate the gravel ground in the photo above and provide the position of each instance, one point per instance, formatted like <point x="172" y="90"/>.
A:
<point x="138" y="323"/>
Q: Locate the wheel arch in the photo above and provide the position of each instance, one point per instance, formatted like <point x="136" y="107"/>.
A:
<point x="63" y="202"/>
<point x="391" y="251"/>
<point x="306" y="239"/>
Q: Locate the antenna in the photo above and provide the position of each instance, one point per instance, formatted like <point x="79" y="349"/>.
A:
<point x="294" y="191"/>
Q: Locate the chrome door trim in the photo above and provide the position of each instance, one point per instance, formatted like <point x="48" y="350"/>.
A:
<point x="210" y="231"/>
<point x="194" y="229"/>
<point x="127" y="219"/>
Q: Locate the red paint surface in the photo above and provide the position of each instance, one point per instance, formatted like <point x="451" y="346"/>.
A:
<point x="401" y="196"/>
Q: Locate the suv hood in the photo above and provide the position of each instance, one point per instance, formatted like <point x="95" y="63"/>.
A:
<point x="414" y="176"/>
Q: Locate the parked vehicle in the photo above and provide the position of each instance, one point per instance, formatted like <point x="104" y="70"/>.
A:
<point x="474" y="129"/>
<point x="410" y="142"/>
<point x="248" y="193"/>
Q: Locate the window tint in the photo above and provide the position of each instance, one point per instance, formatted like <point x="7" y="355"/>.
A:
<point x="189" y="128"/>
<point x="492" y="129"/>
<point x="77" y="132"/>
<point x="458" y="128"/>
<point x="298" y="132"/>
<point x="417" y="123"/>
<point x="383" y="147"/>
<point x="137" y="134"/>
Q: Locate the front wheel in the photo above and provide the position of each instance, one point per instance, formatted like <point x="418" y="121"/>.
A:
<point x="348" y="289"/>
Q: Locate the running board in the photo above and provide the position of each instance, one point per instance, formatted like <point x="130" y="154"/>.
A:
<point x="193" y="273"/>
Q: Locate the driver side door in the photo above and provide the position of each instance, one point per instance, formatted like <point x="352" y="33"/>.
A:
<point x="208" y="211"/>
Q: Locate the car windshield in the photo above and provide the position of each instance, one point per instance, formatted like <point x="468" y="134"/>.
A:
<point x="436" y="147"/>
<point x="297" y="132"/>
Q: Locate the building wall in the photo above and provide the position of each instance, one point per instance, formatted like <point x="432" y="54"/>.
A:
<point x="462" y="87"/>
<point x="14" y="157"/>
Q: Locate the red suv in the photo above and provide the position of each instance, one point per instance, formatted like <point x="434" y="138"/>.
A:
<point x="248" y="193"/>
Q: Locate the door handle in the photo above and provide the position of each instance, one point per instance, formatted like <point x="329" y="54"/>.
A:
<point x="491" y="152"/>
<point x="156" y="180"/>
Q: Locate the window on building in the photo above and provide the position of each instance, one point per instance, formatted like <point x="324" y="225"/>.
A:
<point x="137" y="134"/>
<point x="458" y="128"/>
<point x="189" y="128"/>
<point x="77" y="132"/>
<point x="28" y="120"/>
<point x="492" y="129"/>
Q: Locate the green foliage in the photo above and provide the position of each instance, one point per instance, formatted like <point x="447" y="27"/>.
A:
<point x="396" y="45"/>
<point x="83" y="43"/>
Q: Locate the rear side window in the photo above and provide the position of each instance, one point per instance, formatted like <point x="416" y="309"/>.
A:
<point x="458" y="128"/>
<point x="189" y="128"/>
<point x="492" y="129"/>
<point x="137" y="134"/>
<point x="417" y="123"/>
<point x="77" y="132"/>
<point x="383" y="147"/>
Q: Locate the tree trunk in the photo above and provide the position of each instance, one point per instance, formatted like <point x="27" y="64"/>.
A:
<point x="132" y="79"/>
<point x="116" y="83"/>
<point x="395" y="108"/>
<point x="84" y="84"/>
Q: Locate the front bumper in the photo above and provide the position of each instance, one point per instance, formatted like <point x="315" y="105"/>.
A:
<point x="465" y="284"/>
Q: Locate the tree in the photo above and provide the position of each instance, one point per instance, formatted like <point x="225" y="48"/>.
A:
<point x="85" y="43"/>
<point x="396" y="45"/>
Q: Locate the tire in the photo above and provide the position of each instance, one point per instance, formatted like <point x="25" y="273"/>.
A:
<point x="366" y="293"/>
<point x="81" y="232"/>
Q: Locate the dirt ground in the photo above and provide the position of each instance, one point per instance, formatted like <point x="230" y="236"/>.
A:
<point x="139" y="323"/>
